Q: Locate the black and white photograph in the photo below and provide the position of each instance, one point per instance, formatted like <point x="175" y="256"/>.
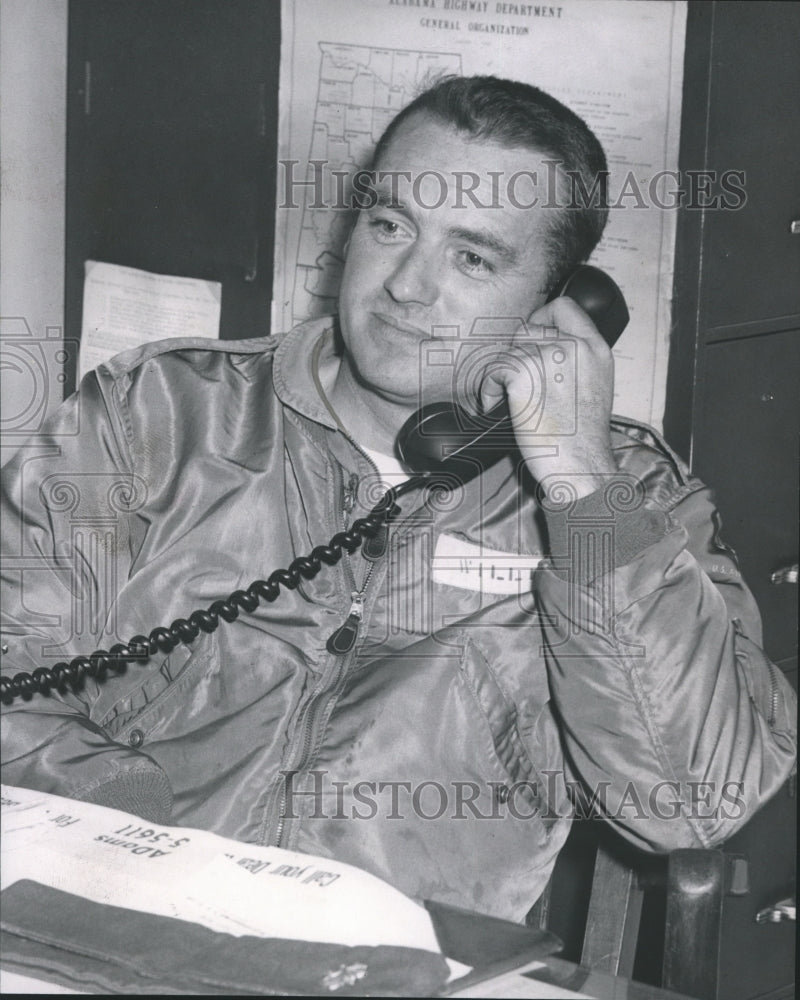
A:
<point x="399" y="498"/>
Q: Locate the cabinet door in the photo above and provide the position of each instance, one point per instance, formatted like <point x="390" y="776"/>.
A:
<point x="746" y="442"/>
<point x="753" y="271"/>
<point x="736" y="342"/>
<point x="745" y="447"/>
<point x="746" y="412"/>
<point x="172" y="116"/>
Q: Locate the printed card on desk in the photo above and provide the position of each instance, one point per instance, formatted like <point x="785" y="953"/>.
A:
<point x="111" y="857"/>
<point x="106" y="902"/>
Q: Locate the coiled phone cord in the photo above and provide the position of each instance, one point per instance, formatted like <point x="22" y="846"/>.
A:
<point x="140" y="648"/>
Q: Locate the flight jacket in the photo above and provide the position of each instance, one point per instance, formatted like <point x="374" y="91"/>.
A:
<point x="514" y="661"/>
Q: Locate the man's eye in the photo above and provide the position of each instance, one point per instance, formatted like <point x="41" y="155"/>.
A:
<point x="385" y="229"/>
<point x="474" y="263"/>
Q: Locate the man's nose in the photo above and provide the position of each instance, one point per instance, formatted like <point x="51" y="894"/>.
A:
<point x="414" y="277"/>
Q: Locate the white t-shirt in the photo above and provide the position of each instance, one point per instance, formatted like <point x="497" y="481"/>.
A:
<point x="460" y="563"/>
<point x="390" y="469"/>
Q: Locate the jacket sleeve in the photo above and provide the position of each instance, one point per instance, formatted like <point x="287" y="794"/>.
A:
<point x="67" y="498"/>
<point x="676" y="722"/>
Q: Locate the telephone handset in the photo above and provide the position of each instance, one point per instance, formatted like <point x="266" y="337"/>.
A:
<point x="444" y="435"/>
<point x="432" y="438"/>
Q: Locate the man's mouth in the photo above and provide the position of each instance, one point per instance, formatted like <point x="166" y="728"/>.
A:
<point x="402" y="327"/>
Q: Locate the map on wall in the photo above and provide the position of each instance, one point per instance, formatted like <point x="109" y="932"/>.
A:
<point x="348" y="66"/>
<point x="360" y="90"/>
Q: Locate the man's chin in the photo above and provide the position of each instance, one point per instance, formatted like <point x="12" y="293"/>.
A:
<point x="408" y="397"/>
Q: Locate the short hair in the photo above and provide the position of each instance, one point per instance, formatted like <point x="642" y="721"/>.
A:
<point x="518" y="115"/>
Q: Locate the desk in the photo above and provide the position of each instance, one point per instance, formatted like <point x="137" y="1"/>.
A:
<point x="561" y="974"/>
<point x="601" y="985"/>
<point x="101" y="912"/>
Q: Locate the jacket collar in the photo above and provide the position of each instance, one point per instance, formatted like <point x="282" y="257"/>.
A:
<point x="294" y="384"/>
<point x="292" y="372"/>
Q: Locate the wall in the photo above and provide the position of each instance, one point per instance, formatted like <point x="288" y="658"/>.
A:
<point x="33" y="67"/>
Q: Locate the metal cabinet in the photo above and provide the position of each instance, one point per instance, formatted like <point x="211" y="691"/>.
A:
<point x="733" y="403"/>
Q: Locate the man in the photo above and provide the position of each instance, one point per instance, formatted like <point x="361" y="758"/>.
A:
<point x="425" y="709"/>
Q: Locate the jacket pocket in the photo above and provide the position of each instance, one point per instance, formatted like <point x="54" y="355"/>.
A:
<point x="765" y="684"/>
<point x="498" y="715"/>
<point x="143" y="708"/>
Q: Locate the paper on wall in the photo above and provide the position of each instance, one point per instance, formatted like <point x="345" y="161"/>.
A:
<point x="124" y="307"/>
<point x="347" y="66"/>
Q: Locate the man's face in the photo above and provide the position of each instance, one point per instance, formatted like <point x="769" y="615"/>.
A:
<point x="439" y="255"/>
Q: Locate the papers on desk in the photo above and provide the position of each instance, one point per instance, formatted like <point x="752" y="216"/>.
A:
<point x="103" y="901"/>
<point x="12" y="982"/>
<point x="518" y="984"/>
<point x="87" y="892"/>
<point x="114" y="858"/>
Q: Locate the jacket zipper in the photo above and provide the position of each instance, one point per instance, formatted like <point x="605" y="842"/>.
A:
<point x="341" y="643"/>
<point x="773" y="683"/>
<point x="344" y="638"/>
